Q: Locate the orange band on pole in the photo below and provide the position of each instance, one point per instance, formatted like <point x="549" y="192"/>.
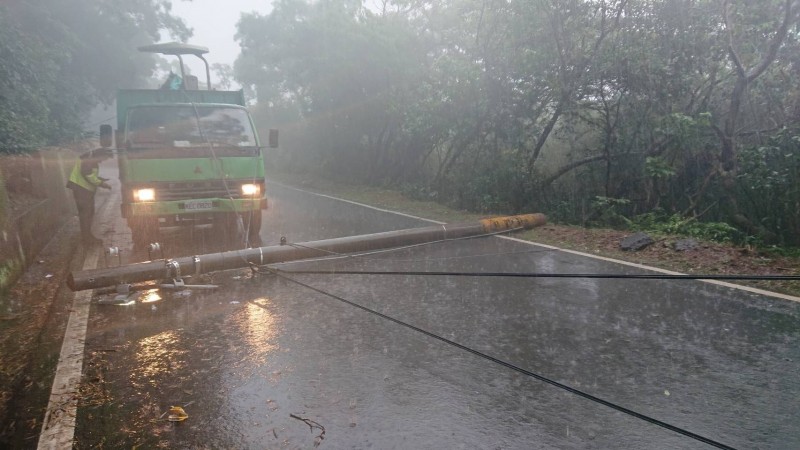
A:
<point x="525" y="221"/>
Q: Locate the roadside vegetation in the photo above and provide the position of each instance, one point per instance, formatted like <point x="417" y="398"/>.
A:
<point x="60" y="59"/>
<point x="678" y="115"/>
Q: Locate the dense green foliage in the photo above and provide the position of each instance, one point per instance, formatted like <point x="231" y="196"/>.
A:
<point x="685" y="109"/>
<point x="60" y="58"/>
<point x="657" y="222"/>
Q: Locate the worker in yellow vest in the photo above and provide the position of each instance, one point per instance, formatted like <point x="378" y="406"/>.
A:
<point x="84" y="180"/>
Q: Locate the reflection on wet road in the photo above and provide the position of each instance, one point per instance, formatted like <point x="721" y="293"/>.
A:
<point x="250" y="358"/>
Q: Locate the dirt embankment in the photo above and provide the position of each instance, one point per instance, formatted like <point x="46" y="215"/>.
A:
<point x="33" y="316"/>
<point x="706" y="258"/>
<point x="34" y="203"/>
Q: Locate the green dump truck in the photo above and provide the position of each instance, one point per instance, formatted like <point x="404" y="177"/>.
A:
<point x="189" y="157"/>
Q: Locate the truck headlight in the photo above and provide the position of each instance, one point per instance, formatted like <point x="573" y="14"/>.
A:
<point x="144" y="195"/>
<point x="251" y="189"/>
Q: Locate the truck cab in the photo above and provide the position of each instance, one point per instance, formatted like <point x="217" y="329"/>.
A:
<point x="189" y="157"/>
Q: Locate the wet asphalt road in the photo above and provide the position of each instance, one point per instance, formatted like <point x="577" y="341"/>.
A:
<point x="253" y="359"/>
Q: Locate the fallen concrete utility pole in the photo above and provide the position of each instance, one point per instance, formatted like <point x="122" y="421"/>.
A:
<point x="199" y="264"/>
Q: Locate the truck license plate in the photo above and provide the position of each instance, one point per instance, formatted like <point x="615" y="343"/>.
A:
<point x="197" y="205"/>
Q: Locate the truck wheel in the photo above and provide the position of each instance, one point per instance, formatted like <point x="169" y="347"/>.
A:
<point x="144" y="230"/>
<point x="227" y="227"/>
<point x="254" y="231"/>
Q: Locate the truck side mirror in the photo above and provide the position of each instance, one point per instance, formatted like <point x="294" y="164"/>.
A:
<point x="106" y="135"/>
<point x="273" y="138"/>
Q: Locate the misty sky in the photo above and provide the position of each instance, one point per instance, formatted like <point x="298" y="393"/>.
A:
<point x="214" y="24"/>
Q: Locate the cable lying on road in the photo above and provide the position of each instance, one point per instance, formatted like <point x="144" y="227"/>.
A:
<point x="586" y="395"/>
<point x="654" y="276"/>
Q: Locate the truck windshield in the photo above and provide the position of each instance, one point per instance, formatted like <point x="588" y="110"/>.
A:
<point x="185" y="125"/>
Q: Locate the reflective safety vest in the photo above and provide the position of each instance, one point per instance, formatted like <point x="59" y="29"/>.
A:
<point x="88" y="182"/>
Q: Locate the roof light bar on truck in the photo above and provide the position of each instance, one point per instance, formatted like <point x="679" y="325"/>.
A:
<point x="178" y="49"/>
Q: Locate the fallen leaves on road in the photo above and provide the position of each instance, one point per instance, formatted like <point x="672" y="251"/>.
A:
<point x="177" y="414"/>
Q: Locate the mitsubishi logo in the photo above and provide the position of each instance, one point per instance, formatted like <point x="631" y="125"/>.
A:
<point x="197" y="169"/>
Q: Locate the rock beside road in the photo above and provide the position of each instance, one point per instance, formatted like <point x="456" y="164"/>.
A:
<point x="685" y="245"/>
<point x="635" y="242"/>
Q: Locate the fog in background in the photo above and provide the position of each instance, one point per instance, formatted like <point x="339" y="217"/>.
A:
<point x="214" y="25"/>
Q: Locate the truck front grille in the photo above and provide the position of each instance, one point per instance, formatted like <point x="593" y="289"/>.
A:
<point x="186" y="190"/>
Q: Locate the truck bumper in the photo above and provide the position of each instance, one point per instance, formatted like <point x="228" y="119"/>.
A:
<point x="193" y="206"/>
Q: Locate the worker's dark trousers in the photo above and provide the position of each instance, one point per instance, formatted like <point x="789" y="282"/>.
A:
<point x="84" y="200"/>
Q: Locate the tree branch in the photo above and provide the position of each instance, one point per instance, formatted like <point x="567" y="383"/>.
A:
<point x="731" y="49"/>
<point x="789" y="10"/>
<point x="569" y="167"/>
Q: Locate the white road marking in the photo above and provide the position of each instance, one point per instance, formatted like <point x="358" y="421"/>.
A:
<point x="574" y="252"/>
<point x="357" y="203"/>
<point x="58" y="427"/>
<point x="664" y="271"/>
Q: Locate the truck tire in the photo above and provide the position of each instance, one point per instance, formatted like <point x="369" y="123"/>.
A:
<point x="226" y="226"/>
<point x="254" y="231"/>
<point x="144" y="230"/>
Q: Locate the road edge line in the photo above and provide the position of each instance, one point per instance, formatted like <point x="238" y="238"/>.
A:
<point x="58" y="425"/>
<point x="664" y="271"/>
<point x="357" y="203"/>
